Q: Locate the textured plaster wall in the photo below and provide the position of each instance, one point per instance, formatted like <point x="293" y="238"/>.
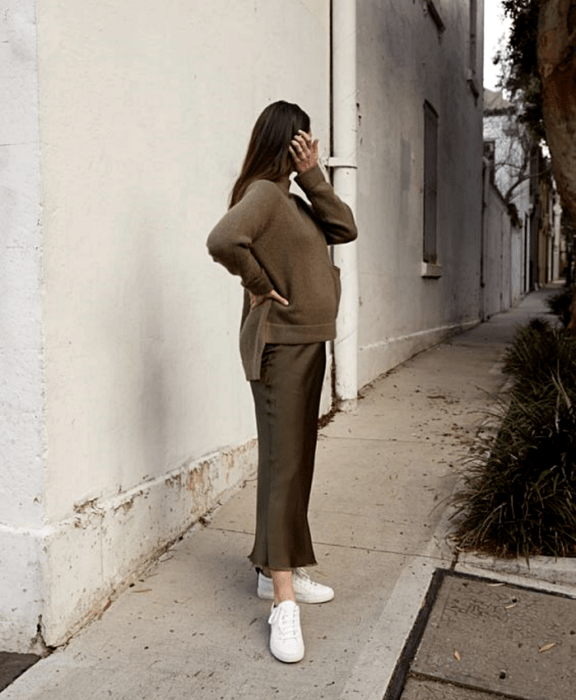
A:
<point x="501" y="252"/>
<point x="516" y="265"/>
<point x="403" y="61"/>
<point x="145" y="112"/>
<point x="140" y="148"/>
<point x="21" y="449"/>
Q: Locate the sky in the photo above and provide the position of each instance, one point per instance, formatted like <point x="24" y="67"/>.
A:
<point x="494" y="32"/>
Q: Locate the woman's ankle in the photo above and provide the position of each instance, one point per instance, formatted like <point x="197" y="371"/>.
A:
<point x="283" y="588"/>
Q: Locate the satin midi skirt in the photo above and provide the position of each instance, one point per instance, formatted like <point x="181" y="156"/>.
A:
<point x="287" y="402"/>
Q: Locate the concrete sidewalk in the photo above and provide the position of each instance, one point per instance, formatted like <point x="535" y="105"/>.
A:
<point x="193" y="627"/>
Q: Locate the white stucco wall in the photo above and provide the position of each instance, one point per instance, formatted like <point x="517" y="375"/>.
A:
<point x="140" y="149"/>
<point x="145" y="113"/>
<point x="516" y="265"/>
<point x="139" y="415"/>
<point x="22" y="484"/>
<point x="501" y="253"/>
<point x="403" y="62"/>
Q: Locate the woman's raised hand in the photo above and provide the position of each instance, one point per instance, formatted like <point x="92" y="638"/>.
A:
<point x="304" y="151"/>
<point x="257" y="299"/>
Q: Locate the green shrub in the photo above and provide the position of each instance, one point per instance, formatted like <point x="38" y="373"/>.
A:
<point x="519" y="494"/>
<point x="538" y="353"/>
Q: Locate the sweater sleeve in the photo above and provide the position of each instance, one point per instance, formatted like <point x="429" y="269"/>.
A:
<point x="335" y="217"/>
<point x="230" y="241"/>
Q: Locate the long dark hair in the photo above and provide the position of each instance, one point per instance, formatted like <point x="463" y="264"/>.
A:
<point x="267" y="157"/>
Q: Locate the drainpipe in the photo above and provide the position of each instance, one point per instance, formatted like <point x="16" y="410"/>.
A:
<point x="343" y="163"/>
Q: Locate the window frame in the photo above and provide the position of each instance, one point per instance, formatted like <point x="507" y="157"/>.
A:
<point x="430" y="186"/>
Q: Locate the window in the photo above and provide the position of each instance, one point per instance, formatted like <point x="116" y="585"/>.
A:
<point x="430" y="183"/>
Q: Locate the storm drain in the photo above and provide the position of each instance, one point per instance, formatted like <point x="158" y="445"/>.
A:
<point x="13" y="665"/>
<point x="480" y="639"/>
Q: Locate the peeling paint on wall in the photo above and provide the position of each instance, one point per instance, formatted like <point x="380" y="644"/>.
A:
<point x="92" y="554"/>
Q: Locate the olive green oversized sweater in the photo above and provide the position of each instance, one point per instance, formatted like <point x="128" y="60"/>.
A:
<point x="274" y="240"/>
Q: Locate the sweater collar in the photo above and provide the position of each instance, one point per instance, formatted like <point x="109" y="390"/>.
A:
<point x="284" y="184"/>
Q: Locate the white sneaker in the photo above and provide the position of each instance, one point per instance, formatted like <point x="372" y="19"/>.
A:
<point x="286" y="641"/>
<point x="305" y="590"/>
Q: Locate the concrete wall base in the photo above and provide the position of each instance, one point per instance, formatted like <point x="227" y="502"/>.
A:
<point x="21" y="606"/>
<point x="377" y="358"/>
<point x="83" y="560"/>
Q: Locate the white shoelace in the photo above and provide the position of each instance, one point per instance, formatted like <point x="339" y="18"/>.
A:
<point x="288" y="620"/>
<point x="305" y="579"/>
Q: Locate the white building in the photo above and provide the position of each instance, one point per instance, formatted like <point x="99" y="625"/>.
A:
<point x="509" y="149"/>
<point x="125" y="414"/>
<point x="522" y="175"/>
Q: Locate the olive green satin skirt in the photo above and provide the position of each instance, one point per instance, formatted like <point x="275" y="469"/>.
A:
<point x="287" y="402"/>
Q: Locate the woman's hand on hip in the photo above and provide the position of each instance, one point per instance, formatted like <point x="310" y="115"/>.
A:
<point x="304" y="151"/>
<point x="257" y="299"/>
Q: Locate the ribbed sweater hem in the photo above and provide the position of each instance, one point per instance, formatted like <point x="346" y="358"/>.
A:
<point x="299" y="335"/>
<point x="282" y="335"/>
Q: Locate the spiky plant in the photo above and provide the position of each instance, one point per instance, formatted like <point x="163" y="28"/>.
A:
<point x="519" y="494"/>
<point x="539" y="352"/>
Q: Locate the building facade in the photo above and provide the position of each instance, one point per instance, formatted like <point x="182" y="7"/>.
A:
<point x="125" y="412"/>
<point x="521" y="173"/>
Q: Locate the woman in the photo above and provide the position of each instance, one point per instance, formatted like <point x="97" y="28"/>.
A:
<point x="278" y="245"/>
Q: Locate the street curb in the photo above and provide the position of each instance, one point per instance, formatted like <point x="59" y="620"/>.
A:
<point x="555" y="574"/>
<point x="545" y="573"/>
<point x="552" y="574"/>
